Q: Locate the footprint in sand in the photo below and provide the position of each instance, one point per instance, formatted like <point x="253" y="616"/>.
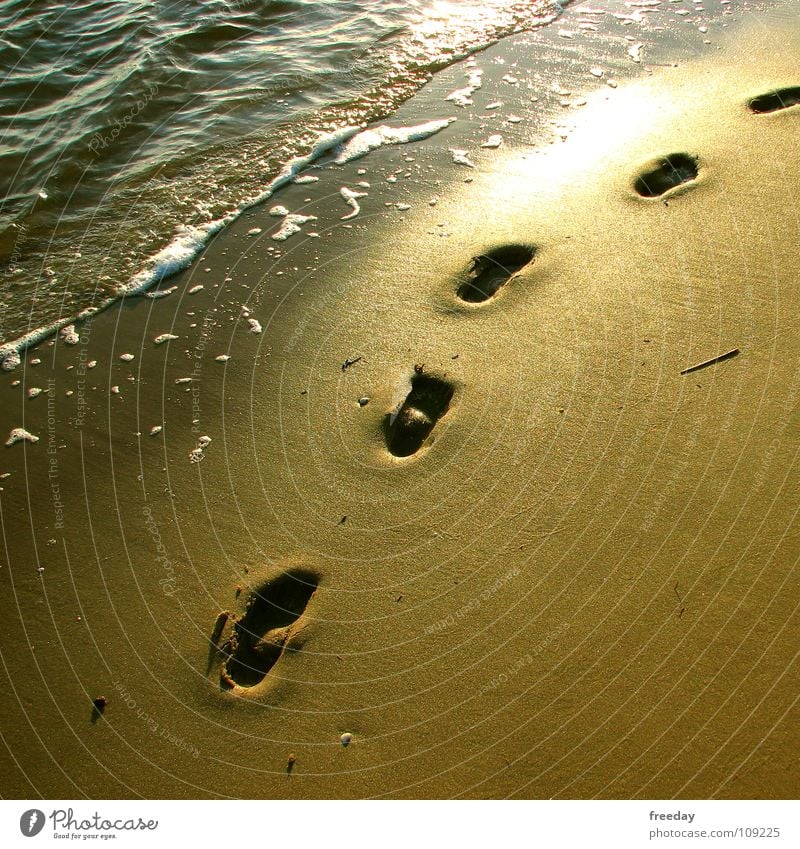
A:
<point x="272" y="617"/>
<point x="429" y="399"/>
<point x="426" y="403"/>
<point x="774" y="101"/>
<point x="665" y="174"/>
<point x="491" y="271"/>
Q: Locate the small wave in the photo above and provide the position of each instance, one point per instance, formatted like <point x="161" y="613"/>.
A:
<point x="269" y="114"/>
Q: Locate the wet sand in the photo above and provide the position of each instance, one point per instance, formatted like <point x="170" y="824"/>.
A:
<point x="477" y="520"/>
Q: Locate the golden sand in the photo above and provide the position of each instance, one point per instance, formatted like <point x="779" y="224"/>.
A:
<point x="577" y="580"/>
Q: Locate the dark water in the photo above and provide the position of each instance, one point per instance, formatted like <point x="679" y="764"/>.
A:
<point x="122" y="121"/>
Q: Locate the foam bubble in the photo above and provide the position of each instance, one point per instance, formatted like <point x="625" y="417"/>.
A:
<point x="463" y="96"/>
<point x="368" y="140"/>
<point x="196" y="454"/>
<point x="19" y="434"/>
<point x="11" y="360"/>
<point x="160" y="293"/>
<point x="68" y="335"/>
<point x="460" y="157"/>
<point x="351" y="199"/>
<point x="292" y="224"/>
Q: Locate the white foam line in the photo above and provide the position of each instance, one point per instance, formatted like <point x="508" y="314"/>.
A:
<point x="10" y="353"/>
<point x="189" y="241"/>
<point x="369" y="140"/>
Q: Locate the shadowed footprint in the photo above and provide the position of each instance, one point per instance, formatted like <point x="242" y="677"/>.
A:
<point x="260" y="637"/>
<point x="492" y="270"/>
<point x="428" y="400"/>
<point x="773" y="101"/>
<point x="666" y="173"/>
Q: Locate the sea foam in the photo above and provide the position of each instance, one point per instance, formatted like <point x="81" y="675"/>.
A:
<point x="369" y="140"/>
<point x="186" y="245"/>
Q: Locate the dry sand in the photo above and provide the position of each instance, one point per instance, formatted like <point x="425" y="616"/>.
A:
<point x="584" y="581"/>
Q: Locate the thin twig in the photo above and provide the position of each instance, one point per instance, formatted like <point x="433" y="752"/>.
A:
<point x="726" y="356"/>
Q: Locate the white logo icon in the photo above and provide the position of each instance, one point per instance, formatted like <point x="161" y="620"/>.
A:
<point x="31" y="822"/>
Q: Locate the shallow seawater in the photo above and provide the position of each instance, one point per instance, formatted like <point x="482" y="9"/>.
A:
<point x="122" y="123"/>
